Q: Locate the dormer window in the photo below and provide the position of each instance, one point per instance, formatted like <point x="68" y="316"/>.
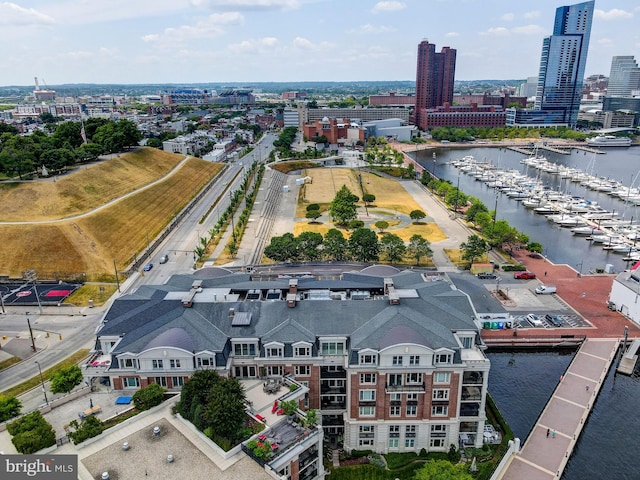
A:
<point x="368" y="359"/>
<point x="274" y="350"/>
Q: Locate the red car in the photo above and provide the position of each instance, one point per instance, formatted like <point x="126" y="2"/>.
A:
<point x="524" y="275"/>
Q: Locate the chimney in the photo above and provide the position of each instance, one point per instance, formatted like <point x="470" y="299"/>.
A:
<point x="291" y="300"/>
<point x="293" y="285"/>
<point x="232" y="312"/>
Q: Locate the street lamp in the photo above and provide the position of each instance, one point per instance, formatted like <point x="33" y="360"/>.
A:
<point x="44" y="391"/>
<point x="455" y="207"/>
<point x="33" y="342"/>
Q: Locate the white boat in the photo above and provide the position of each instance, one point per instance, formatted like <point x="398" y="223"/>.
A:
<point x="624" y="249"/>
<point x="609" y="141"/>
<point x="588" y="230"/>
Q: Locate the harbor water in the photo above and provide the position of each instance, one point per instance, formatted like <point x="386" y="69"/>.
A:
<point x="559" y="244"/>
<point x="521" y="384"/>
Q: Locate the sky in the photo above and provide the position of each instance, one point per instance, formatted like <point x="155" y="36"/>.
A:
<point x="202" y="41"/>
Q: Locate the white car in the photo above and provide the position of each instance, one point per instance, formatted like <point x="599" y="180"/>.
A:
<point x="534" y="320"/>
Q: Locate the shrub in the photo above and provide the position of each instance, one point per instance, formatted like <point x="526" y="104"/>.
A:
<point x="360" y="453"/>
<point x="148" y="397"/>
<point x="91" y="427"/>
<point x="513" y="268"/>
<point x="31" y="433"/>
<point x="354" y="224"/>
<point x="313" y="206"/>
<point x="9" y="408"/>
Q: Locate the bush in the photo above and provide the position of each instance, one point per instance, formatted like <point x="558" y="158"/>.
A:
<point x="91" y="427"/>
<point x="313" y="206"/>
<point x="9" y="408"/>
<point x="513" y="268"/>
<point x="31" y="433"/>
<point x="360" y="453"/>
<point x="148" y="397"/>
<point x="355" y="224"/>
<point x="423" y="452"/>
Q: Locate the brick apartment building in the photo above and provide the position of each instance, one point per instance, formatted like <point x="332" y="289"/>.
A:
<point x="392" y="360"/>
<point x="337" y="131"/>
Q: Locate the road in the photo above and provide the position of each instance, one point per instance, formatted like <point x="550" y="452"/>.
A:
<point x="78" y="325"/>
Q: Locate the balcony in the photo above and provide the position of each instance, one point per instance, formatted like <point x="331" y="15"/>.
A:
<point x="332" y="390"/>
<point x="472" y="378"/>
<point x="469" y="409"/>
<point x="412" y="387"/>
<point x="333" y="405"/>
<point x="324" y="373"/>
<point x="471" y="394"/>
<point x="332" y="421"/>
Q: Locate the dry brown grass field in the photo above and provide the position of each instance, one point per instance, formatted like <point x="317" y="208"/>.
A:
<point x="390" y="195"/>
<point x="90" y="244"/>
<point x="85" y="188"/>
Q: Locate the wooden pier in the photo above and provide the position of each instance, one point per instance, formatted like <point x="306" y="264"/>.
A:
<point x="552" y="439"/>
<point x="628" y="361"/>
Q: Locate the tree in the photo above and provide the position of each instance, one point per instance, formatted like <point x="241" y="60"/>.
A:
<point x="31" y="433"/>
<point x="476" y="207"/>
<point x="65" y="379"/>
<point x="196" y="392"/>
<point x="282" y="249"/>
<point x="368" y="198"/>
<point x="309" y="245"/>
<point x="392" y="247"/>
<point x="473" y="248"/>
<point x="149" y="396"/>
<point x="343" y="206"/>
<point x="419" y="247"/>
<point x="417" y="215"/>
<point x="226" y="409"/>
<point x="381" y="225"/>
<point x="313" y="215"/>
<point x="9" y="407"/>
<point x="534" y="247"/>
<point x="363" y="245"/>
<point x="355" y="224"/>
<point x="442" y="470"/>
<point x="336" y="247"/>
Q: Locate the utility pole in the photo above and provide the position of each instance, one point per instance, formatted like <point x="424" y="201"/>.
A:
<point x="33" y="342"/>
<point x="115" y="269"/>
<point x="44" y="390"/>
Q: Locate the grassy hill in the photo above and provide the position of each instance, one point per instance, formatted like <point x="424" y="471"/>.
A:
<point x="89" y="245"/>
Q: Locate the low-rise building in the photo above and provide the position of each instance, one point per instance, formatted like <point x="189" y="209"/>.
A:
<point x="393" y="361"/>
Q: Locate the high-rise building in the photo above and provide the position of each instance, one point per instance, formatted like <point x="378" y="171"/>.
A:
<point x="434" y="78"/>
<point x="562" y="63"/>
<point x="624" y="77"/>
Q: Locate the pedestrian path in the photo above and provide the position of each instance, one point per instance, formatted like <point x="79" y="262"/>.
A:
<point x="553" y="437"/>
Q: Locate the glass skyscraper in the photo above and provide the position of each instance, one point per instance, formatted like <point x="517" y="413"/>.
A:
<point x="564" y="56"/>
<point x="562" y="64"/>
<point x="624" y="77"/>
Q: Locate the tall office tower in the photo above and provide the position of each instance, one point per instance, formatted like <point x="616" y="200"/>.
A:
<point x="434" y="77"/>
<point x="624" y="77"/>
<point x="562" y="63"/>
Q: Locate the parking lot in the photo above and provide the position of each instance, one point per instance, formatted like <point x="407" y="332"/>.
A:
<point x="551" y="320"/>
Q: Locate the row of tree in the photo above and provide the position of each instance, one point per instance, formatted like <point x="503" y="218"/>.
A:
<point x="23" y="155"/>
<point x="458" y="134"/>
<point x="363" y="246"/>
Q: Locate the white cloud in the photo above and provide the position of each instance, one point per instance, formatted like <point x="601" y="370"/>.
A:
<point x="496" y="31"/>
<point x="529" y="30"/>
<point x="452" y="34"/>
<point x="368" y="28"/>
<point x="12" y="14"/>
<point x="613" y="14"/>
<point x="205" y="27"/>
<point x="532" y="14"/>
<point x="508" y="17"/>
<point x="248" y="4"/>
<point x="388" y="6"/>
<point x="302" y="42"/>
<point x="260" y="45"/>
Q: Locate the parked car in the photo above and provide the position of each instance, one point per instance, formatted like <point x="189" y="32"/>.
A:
<point x="554" y="320"/>
<point x="148" y="267"/>
<point x="534" y="320"/>
<point x="487" y="275"/>
<point x="527" y="275"/>
<point x="545" y="289"/>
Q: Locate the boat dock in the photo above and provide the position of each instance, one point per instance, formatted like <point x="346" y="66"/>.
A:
<point x="590" y="149"/>
<point x="521" y="150"/>
<point x="562" y="151"/>
<point x="553" y="438"/>
<point x="628" y="361"/>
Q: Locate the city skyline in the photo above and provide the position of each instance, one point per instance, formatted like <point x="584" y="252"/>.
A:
<point x="191" y="41"/>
